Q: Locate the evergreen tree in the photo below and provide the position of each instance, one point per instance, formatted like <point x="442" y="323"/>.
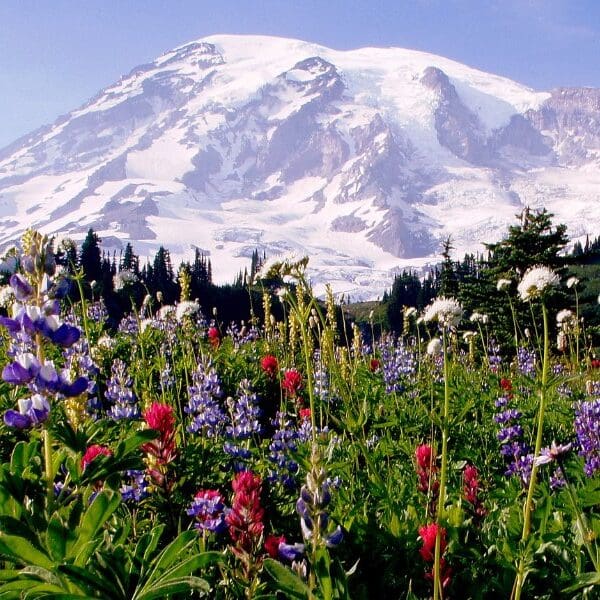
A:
<point x="533" y="241"/>
<point x="90" y="257"/>
<point x="406" y="291"/>
<point x="163" y="277"/>
<point x="130" y="260"/>
<point x="448" y="274"/>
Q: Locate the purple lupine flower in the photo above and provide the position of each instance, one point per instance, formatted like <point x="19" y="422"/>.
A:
<point x="32" y="411"/>
<point x="208" y="418"/>
<point x="557" y="480"/>
<point x="512" y="414"/>
<point x="137" y="486"/>
<point x="244" y="413"/>
<point x="516" y="453"/>
<point x="283" y="443"/>
<point x="290" y="552"/>
<point x="24" y="368"/>
<point x="398" y="364"/>
<point x="311" y="506"/>
<point x="129" y="325"/>
<point x="526" y="360"/>
<point x="208" y="507"/>
<point x="22" y="288"/>
<point x="119" y="393"/>
<point x="494" y="358"/>
<point x="97" y="311"/>
<point x="587" y="430"/>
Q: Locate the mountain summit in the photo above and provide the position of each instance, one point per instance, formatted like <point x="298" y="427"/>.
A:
<point x="365" y="159"/>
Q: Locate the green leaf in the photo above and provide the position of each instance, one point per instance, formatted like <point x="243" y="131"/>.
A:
<point x="173" y="552"/>
<point x="584" y="580"/>
<point x="90" y="582"/>
<point x="287" y="581"/>
<point x="184" y="584"/>
<point x="192" y="564"/>
<point x="23" y="552"/>
<point x="57" y="536"/>
<point x="98" y="512"/>
<point x="322" y="569"/>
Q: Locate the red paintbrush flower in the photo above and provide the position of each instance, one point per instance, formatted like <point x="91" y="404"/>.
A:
<point x="92" y="452"/>
<point x="269" y="365"/>
<point x="245" y="519"/>
<point x="292" y="382"/>
<point x="213" y="337"/>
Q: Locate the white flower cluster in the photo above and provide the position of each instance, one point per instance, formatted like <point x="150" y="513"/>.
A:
<point x="502" y="284"/>
<point x="572" y="282"/>
<point x="447" y="311"/>
<point x="166" y="311"/>
<point x="434" y="348"/>
<point x="7" y="296"/>
<point x="536" y="281"/>
<point x="124" y="278"/>
<point x="187" y="308"/>
<point x="479" y="318"/>
<point x="566" y="319"/>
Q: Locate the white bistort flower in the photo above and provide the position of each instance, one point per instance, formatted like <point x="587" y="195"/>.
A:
<point x="536" y="281"/>
<point x="479" y="318"/>
<point x="564" y="315"/>
<point x="447" y="311"/>
<point x="166" y="311"/>
<point x="124" y="278"/>
<point x="410" y="311"/>
<point x="185" y="309"/>
<point x="469" y="335"/>
<point x="572" y="282"/>
<point x="502" y="284"/>
<point x="434" y="347"/>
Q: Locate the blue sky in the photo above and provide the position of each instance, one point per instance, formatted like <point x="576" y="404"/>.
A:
<point x="55" y="54"/>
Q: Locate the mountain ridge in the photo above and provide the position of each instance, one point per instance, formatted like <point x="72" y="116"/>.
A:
<point x="363" y="159"/>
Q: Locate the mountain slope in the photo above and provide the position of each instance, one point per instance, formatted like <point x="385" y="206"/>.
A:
<point x="363" y="159"/>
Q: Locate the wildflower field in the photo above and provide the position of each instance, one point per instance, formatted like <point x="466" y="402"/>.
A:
<point x="178" y="456"/>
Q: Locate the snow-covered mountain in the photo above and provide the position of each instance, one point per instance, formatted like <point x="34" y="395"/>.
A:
<point x="365" y="159"/>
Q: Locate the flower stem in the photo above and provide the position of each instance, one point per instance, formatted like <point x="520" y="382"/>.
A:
<point x="528" y="507"/>
<point x="437" y="585"/>
<point x="48" y="466"/>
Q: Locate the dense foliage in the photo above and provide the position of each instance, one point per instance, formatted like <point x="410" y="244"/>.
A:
<point x="180" y="455"/>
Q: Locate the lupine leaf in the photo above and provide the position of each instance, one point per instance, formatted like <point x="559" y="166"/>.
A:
<point x="286" y="581"/>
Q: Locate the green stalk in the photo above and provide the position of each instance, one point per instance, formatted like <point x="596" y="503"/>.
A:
<point x="48" y="467"/>
<point x="576" y="329"/>
<point x="437" y="584"/>
<point x="528" y="508"/>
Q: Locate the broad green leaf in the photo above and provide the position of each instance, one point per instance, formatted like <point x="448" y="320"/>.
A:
<point x="148" y="544"/>
<point x="98" y="512"/>
<point x="322" y="568"/>
<point x="184" y="584"/>
<point x="173" y="552"/>
<point x="584" y="580"/>
<point x="23" y="552"/>
<point x="90" y="582"/>
<point x="287" y="581"/>
<point x="188" y="566"/>
<point x="57" y="536"/>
